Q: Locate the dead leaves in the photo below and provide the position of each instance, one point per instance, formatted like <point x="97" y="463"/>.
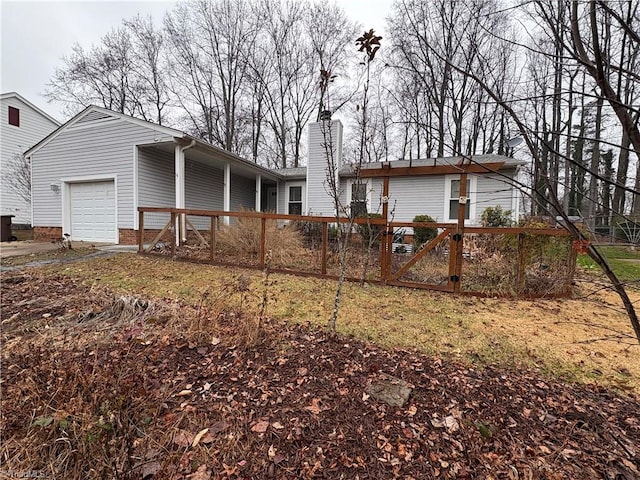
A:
<point x="260" y="426"/>
<point x="184" y="438"/>
<point x="317" y="406"/>
<point x="302" y="406"/>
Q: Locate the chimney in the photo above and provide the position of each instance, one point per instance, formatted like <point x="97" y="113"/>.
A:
<point x="325" y="137"/>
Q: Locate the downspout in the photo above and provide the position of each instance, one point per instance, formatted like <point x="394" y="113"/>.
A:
<point x="183" y="217"/>
<point x="517" y="196"/>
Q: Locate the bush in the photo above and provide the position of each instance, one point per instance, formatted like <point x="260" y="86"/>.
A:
<point x="311" y="233"/>
<point x="422" y="235"/>
<point x="496" y="217"/>
<point x="370" y="233"/>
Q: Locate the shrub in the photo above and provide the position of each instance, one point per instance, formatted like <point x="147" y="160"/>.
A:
<point x="370" y="233"/>
<point x="311" y="233"/>
<point x="422" y="235"/>
<point x="496" y="217"/>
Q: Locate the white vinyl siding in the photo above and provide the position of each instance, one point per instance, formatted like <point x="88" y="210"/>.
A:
<point x="411" y="196"/>
<point x="100" y="150"/>
<point x="204" y="186"/>
<point x="15" y="141"/>
<point x="492" y="191"/>
<point x="282" y="189"/>
<point x="243" y="193"/>
<point x="156" y="183"/>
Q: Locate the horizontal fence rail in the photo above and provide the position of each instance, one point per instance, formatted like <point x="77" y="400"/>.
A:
<point x="516" y="262"/>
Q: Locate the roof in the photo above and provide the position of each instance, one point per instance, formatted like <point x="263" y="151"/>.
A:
<point x="8" y="95"/>
<point x="293" y="172"/>
<point x="172" y="132"/>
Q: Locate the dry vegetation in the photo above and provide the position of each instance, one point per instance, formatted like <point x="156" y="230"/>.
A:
<point x="587" y="338"/>
<point x="490" y="261"/>
<point x="175" y="372"/>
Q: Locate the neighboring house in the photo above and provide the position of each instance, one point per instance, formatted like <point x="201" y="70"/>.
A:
<point x="91" y="175"/>
<point x="23" y="125"/>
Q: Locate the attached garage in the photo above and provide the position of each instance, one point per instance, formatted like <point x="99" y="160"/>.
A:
<point x="92" y="211"/>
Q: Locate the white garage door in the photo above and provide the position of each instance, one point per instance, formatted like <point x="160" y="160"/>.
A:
<point x="93" y="211"/>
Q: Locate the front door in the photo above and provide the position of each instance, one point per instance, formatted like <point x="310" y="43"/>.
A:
<point x="272" y="199"/>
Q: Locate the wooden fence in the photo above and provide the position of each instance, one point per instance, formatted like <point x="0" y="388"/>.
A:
<point x="520" y="262"/>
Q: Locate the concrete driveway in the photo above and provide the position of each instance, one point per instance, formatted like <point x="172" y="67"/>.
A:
<point x="28" y="247"/>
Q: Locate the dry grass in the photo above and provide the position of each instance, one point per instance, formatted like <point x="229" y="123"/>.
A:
<point x="490" y="265"/>
<point x="585" y="339"/>
<point x="243" y="236"/>
<point x="101" y="419"/>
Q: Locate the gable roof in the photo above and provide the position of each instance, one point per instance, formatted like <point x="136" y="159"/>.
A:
<point x="94" y="112"/>
<point x="8" y="95"/>
<point x="105" y="111"/>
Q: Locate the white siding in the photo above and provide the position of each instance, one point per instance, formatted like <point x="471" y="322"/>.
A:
<point x="319" y="202"/>
<point x="411" y="196"/>
<point x="205" y="186"/>
<point x="282" y="188"/>
<point x="243" y="193"/>
<point x="15" y="141"/>
<point x="101" y="150"/>
<point x="156" y="184"/>
<point x="493" y="191"/>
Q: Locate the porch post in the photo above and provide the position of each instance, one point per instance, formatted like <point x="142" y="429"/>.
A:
<point x="227" y="191"/>
<point x="179" y="190"/>
<point x="258" y="193"/>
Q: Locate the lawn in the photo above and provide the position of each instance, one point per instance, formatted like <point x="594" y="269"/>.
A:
<point x="624" y="261"/>
<point x="140" y="367"/>
<point x="586" y="339"/>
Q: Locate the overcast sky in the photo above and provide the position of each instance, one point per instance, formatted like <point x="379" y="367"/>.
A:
<point x="36" y="35"/>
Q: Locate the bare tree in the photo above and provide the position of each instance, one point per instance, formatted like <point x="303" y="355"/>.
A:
<point x="123" y="73"/>
<point x="554" y="202"/>
<point x="16" y="177"/>
<point x="209" y="41"/>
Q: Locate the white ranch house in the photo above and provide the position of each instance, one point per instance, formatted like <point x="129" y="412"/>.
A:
<point x="91" y="175"/>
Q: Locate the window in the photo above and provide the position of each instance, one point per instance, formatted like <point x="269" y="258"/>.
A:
<point x="358" y="199"/>
<point x="454" y="196"/>
<point x="295" y="200"/>
<point x="14" y="116"/>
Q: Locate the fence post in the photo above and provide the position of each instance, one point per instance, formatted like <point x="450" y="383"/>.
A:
<point x="572" y="255"/>
<point x="522" y="264"/>
<point x="212" y="238"/>
<point x="263" y="239"/>
<point x="175" y="234"/>
<point x="384" y="250"/>
<point x="325" y="243"/>
<point x="140" y="231"/>
<point x="459" y="237"/>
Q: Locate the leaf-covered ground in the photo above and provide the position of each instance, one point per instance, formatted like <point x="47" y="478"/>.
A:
<point x="97" y="385"/>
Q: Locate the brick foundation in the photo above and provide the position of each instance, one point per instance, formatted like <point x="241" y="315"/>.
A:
<point x="46" y="234"/>
<point x="126" y="236"/>
<point x="130" y="237"/>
